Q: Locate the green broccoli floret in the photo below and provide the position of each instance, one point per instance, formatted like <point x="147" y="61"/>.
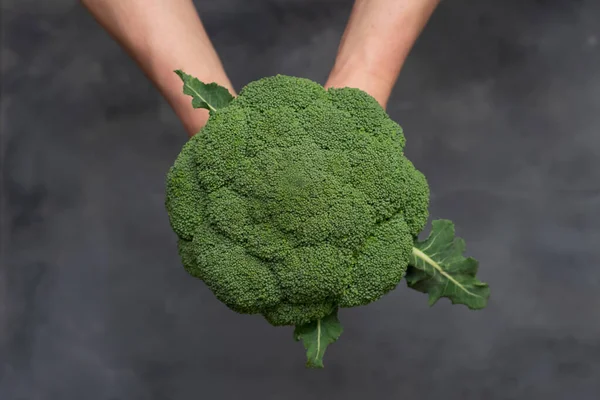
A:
<point x="294" y="201"/>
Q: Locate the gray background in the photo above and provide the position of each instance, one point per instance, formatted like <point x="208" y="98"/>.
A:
<point x="500" y="103"/>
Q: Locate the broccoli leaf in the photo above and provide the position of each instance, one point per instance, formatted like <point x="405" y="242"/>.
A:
<point x="317" y="336"/>
<point x="438" y="267"/>
<point x="204" y="95"/>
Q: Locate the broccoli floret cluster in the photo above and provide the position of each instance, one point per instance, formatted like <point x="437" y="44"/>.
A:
<point x="294" y="201"/>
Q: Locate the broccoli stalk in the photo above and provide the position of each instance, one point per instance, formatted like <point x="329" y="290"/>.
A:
<point x="435" y="266"/>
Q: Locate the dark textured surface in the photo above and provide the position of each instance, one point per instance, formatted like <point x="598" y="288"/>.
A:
<point x="499" y="101"/>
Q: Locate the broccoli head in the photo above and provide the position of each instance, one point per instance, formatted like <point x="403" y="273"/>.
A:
<point x="294" y="201"/>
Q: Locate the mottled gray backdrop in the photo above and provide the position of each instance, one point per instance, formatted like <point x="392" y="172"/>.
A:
<point x="500" y="102"/>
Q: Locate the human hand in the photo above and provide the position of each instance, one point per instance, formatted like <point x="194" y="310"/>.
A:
<point x="162" y="36"/>
<point x="377" y="39"/>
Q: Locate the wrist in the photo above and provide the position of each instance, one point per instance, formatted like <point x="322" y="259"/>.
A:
<point x="206" y="67"/>
<point x="374" y="82"/>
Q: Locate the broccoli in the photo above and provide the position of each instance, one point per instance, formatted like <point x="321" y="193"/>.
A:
<point x="294" y="201"/>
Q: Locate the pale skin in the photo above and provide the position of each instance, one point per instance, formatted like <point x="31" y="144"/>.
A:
<point x="165" y="35"/>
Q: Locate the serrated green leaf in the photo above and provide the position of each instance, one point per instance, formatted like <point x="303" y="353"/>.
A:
<point x="204" y="95"/>
<point x="316" y="336"/>
<point x="437" y="267"/>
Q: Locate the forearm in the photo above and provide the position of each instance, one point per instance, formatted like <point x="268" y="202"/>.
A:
<point x="378" y="38"/>
<point x="162" y="36"/>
